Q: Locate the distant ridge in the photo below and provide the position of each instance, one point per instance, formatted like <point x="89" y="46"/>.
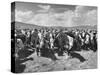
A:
<point x="20" y="25"/>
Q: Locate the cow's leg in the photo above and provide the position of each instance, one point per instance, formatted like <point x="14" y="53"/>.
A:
<point x="38" y="51"/>
<point x="78" y="56"/>
<point x="60" y="53"/>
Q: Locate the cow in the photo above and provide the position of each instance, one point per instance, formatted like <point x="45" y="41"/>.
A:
<point x="60" y="41"/>
<point x="34" y="38"/>
<point x="67" y="43"/>
<point x="22" y="37"/>
<point x="22" y="56"/>
<point x="93" y="42"/>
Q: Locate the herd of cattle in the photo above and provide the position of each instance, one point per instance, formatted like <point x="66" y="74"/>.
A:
<point x="48" y="42"/>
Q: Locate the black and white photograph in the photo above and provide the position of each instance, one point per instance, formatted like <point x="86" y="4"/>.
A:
<point x="48" y="37"/>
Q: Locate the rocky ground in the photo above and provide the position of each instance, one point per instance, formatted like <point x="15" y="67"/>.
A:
<point x="42" y="64"/>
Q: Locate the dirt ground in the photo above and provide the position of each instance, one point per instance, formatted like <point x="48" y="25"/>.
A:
<point x="42" y="64"/>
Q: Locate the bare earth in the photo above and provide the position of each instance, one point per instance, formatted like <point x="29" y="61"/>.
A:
<point x="42" y="64"/>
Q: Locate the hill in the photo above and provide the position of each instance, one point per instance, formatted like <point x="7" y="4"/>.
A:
<point x="19" y="25"/>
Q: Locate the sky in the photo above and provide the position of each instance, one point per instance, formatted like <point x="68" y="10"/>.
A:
<point x="55" y="14"/>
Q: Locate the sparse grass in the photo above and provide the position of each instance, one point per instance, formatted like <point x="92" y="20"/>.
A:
<point x="42" y="64"/>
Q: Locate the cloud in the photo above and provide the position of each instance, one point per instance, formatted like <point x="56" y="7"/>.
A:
<point x="44" y="8"/>
<point x="52" y="19"/>
<point x="82" y="15"/>
<point x="23" y="16"/>
<point x="91" y="17"/>
<point x="39" y="19"/>
<point x="85" y="15"/>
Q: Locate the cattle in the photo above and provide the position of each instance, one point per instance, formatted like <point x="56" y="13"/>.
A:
<point x="67" y="43"/>
<point x="47" y="43"/>
<point x="93" y="42"/>
<point x="22" y="37"/>
<point x="22" y="56"/>
<point x="60" y="41"/>
<point x="34" y="38"/>
<point x="28" y="38"/>
<point x="51" y="41"/>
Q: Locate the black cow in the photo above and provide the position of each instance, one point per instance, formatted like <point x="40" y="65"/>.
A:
<point x="22" y="57"/>
<point x="60" y="41"/>
<point x="63" y="40"/>
<point x="22" y="37"/>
